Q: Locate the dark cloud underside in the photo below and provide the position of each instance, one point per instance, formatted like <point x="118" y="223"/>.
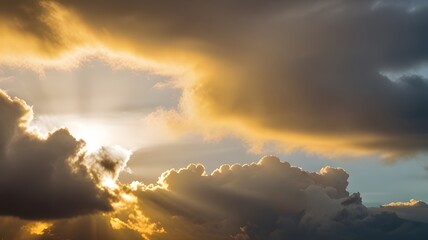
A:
<point x="46" y="178"/>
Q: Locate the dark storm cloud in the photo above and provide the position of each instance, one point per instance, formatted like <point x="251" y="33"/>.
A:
<point x="47" y="178"/>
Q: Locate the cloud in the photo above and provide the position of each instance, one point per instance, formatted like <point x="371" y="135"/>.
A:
<point x="265" y="200"/>
<point x="412" y="203"/>
<point x="90" y="227"/>
<point x="37" y="228"/>
<point x="53" y="176"/>
<point x="307" y="74"/>
<point x="34" y="30"/>
<point x="413" y="210"/>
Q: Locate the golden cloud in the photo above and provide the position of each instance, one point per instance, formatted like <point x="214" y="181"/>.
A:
<point x="264" y="72"/>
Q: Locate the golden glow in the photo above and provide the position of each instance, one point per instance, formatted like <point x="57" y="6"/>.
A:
<point x="109" y="183"/>
<point x="17" y="45"/>
<point x="37" y="228"/>
<point x="138" y="222"/>
<point x="72" y="43"/>
<point x="411" y="203"/>
<point x="128" y="215"/>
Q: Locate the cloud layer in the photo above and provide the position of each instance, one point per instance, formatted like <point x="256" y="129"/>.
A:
<point x="306" y="74"/>
<point x="265" y="200"/>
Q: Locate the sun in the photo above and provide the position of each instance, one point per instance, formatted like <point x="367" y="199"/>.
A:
<point x="92" y="133"/>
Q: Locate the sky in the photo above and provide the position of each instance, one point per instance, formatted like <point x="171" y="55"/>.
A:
<point x="226" y="119"/>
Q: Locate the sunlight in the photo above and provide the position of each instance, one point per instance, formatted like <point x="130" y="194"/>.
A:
<point x="109" y="183"/>
<point x="92" y="134"/>
<point x="37" y="228"/>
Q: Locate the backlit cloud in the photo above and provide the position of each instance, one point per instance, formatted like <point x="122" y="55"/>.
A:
<point x="53" y="176"/>
<point x="265" y="200"/>
<point x="413" y="210"/>
<point x="412" y="203"/>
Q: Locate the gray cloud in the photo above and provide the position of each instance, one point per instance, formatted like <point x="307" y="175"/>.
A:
<point x="52" y="177"/>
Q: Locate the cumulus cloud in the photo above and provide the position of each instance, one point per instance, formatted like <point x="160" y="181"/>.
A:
<point x="413" y="210"/>
<point x="412" y="203"/>
<point x="53" y="176"/>
<point x="265" y="200"/>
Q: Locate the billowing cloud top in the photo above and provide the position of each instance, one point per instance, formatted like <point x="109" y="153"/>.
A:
<point x="329" y="76"/>
<point x="412" y="203"/>
<point x="265" y="200"/>
<point x="414" y="210"/>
